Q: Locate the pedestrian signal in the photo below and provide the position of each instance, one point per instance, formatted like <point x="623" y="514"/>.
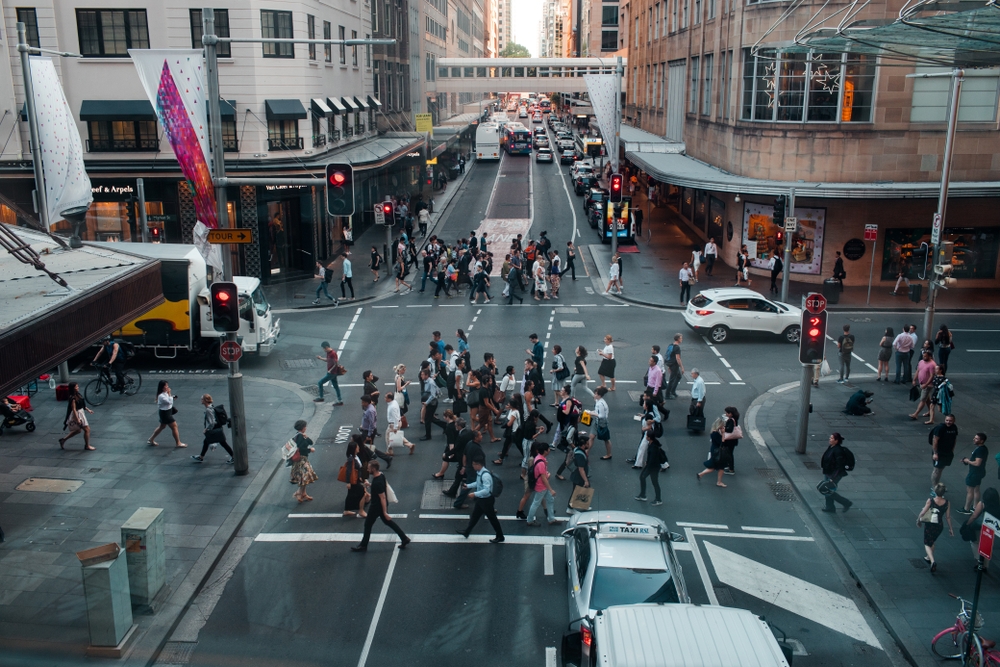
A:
<point x="339" y="189"/>
<point x="812" y="340"/>
<point x="225" y="307"/>
<point x="616" y="188"/>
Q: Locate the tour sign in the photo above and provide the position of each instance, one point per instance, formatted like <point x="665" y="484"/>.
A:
<point x="242" y="235"/>
<point x="815" y="303"/>
<point x="230" y="351"/>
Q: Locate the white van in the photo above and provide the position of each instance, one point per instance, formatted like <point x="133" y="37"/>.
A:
<point x="674" y="635"/>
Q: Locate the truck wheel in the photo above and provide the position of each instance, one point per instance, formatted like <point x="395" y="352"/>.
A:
<point x="216" y="358"/>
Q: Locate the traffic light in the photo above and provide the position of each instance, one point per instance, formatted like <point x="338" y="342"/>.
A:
<point x="812" y="339"/>
<point x="340" y="189"/>
<point x="155" y="233"/>
<point x="616" y="188"/>
<point x="225" y="307"/>
<point x="918" y="258"/>
<point x="779" y="211"/>
<point x="387" y="210"/>
<point x="943" y="272"/>
<point x="779" y="237"/>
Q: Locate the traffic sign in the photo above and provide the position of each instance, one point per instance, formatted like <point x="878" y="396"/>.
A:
<point x="791" y="224"/>
<point x="815" y="303"/>
<point x="230" y="351"/>
<point x="936" y="229"/>
<point x="987" y="534"/>
<point x="242" y="235"/>
<point x="871" y="232"/>
<point x="379" y="215"/>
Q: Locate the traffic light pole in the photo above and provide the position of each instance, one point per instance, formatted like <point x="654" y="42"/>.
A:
<point x="619" y="71"/>
<point x="786" y="265"/>
<point x="805" y="393"/>
<point x="241" y="459"/>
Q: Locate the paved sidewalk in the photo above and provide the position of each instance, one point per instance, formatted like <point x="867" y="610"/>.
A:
<point x="650" y="276"/>
<point x="878" y="538"/>
<point x="301" y="293"/>
<point x="43" y="615"/>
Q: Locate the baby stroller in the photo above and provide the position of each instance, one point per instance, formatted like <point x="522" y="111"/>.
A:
<point x="9" y="417"/>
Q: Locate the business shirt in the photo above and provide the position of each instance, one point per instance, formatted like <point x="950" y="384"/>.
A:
<point x="601" y="409"/>
<point x="483" y="486"/>
<point x="538" y="352"/>
<point x="392" y="414"/>
<point x="660" y="363"/>
<point x="904" y="342"/>
<point x="711" y="249"/>
<point x="432" y="390"/>
<point x="686" y="275"/>
<point x="698" y="389"/>
<point x="369" y="420"/>
<point x="655" y="378"/>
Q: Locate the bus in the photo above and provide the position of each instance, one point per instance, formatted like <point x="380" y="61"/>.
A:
<point x="590" y="146"/>
<point x="488" y="142"/>
<point x="517" y="139"/>
<point x="545" y="105"/>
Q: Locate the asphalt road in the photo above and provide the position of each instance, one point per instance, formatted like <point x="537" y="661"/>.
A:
<point x="298" y="596"/>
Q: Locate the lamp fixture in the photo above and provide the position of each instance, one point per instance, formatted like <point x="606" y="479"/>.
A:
<point x="737" y="199"/>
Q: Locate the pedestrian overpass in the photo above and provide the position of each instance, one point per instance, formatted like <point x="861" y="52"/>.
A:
<point x="516" y="75"/>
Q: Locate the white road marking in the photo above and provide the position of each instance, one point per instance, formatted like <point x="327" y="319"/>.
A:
<point x="798" y="596"/>
<point x="706" y="580"/>
<point x="710" y="526"/>
<point x="547" y="560"/>
<point x="977" y="330"/>
<point x="724" y="362"/>
<point x="761" y="529"/>
<point x="736" y="383"/>
<point x="385" y="306"/>
<point x="451" y="305"/>
<point x="550" y="656"/>
<point x="982" y="350"/>
<point x="786" y="538"/>
<point x="332" y="515"/>
<point x="615" y="305"/>
<point x="736" y="375"/>
<point x="465" y="517"/>
<point x="378" y="609"/>
<point x="536" y="540"/>
<point x="420" y="306"/>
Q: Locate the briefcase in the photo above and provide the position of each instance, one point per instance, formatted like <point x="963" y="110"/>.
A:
<point x="696" y="423"/>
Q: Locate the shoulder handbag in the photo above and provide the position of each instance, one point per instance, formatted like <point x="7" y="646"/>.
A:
<point x="735" y="435"/>
<point x="339" y="370"/>
<point x="390" y="495"/>
<point x="290" y="451"/>
<point x="403" y="422"/>
<point x="932" y="515"/>
<point x="969" y="532"/>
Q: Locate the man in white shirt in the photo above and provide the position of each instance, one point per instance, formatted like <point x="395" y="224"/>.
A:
<point x="346" y="277"/>
<point x="711" y="252"/>
<point x="697" y="394"/>
<point x="903" y="345"/>
<point x="424" y="218"/>
<point x="685" y="276"/>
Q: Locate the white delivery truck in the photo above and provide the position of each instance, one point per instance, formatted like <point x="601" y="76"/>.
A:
<point x="674" y="635"/>
<point x="183" y="322"/>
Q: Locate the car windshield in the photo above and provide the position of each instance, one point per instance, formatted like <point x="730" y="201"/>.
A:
<point x="616" y="585"/>
<point x="260" y="302"/>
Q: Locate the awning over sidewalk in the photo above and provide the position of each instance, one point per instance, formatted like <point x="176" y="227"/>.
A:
<point x="336" y="105"/>
<point x="634" y="139"/>
<point x="284" y="110"/>
<point x="319" y="107"/>
<point x="375" y="153"/>
<point x="688" y="172"/>
<point x="116" y="110"/>
<point x="43" y="324"/>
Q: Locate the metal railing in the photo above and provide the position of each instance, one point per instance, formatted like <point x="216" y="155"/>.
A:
<point x="287" y="144"/>
<point x="123" y="146"/>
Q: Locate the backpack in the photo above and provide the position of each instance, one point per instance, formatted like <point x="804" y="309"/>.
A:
<point x="497" y="486"/>
<point x="221" y="418"/>
<point x="848" y="458"/>
<point x="657" y="429"/>
<point x="848" y="345"/>
<point x="532" y="477"/>
<point x="127" y="349"/>
<point x="328" y="276"/>
<point x="662" y="456"/>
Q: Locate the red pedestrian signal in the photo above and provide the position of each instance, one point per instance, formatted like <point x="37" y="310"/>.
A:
<point x="616" y="188"/>
<point x="387" y="209"/>
<point x="812" y="343"/>
<point x="779" y="237"/>
<point x="340" y="189"/>
<point x="225" y="307"/>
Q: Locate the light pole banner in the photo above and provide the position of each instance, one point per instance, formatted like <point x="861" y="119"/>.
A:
<point x="67" y="185"/>
<point x="602" y="98"/>
<point x="174" y="82"/>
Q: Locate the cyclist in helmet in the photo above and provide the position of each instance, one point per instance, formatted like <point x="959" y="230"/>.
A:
<point x="116" y="360"/>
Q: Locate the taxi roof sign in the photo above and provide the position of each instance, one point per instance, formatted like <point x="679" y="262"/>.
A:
<point x="628" y="529"/>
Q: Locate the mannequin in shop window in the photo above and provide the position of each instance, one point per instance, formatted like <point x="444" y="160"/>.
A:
<point x="275" y="228"/>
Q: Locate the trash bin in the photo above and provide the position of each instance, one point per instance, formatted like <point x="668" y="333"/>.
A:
<point x="831" y="290"/>
<point x="916" y="292"/>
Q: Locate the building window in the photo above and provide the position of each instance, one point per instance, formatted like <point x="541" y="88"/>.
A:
<point x="727" y="83"/>
<point x="354" y="49"/>
<point x="327" y="48"/>
<point x="676" y="9"/>
<point x="706" y="91"/>
<point x="277" y="25"/>
<point x="711" y="9"/>
<point x="697" y="12"/>
<point x="283" y="135"/>
<point x="318" y="138"/>
<point x="375" y="17"/>
<point x="112" y="32"/>
<point x="311" y="30"/>
<point x="635" y="40"/>
<point x="342" y="35"/>
<point x="29" y="18"/>
<point x="649" y="27"/>
<point x="375" y="84"/>
<point x="656" y="24"/>
<point x="222" y="49"/>
<point x="932" y="96"/>
<point x="108" y="136"/>
<point x="695" y="77"/>
<point x="229" y="142"/>
<point x="821" y="88"/>
<point x="684" y="15"/>
<point x="609" y="16"/>
<point x="609" y="40"/>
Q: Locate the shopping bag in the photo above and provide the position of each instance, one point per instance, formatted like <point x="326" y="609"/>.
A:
<point x="825" y="369"/>
<point x="390" y="495"/>
<point x="585" y="418"/>
<point x="581" y="498"/>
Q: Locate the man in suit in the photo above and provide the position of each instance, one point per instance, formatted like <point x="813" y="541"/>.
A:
<point x="481" y="493"/>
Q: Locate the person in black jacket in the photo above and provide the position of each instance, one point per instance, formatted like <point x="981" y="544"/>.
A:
<point x="379" y="509"/>
<point x="834" y="469"/>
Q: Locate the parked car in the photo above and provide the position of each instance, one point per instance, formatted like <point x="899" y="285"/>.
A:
<point x="594" y="196"/>
<point x="724" y="310"/>
<point x="543" y="155"/>
<point x="568" y="156"/>
<point x="584" y="182"/>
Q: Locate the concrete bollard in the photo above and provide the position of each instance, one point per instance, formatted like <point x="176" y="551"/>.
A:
<point x="109" y="608"/>
<point x="142" y="538"/>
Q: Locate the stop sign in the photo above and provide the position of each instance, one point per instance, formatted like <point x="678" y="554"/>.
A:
<point x="231" y="351"/>
<point x="815" y="303"/>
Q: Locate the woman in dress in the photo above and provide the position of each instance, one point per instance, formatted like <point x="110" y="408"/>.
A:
<point x="356" y="471"/>
<point x="375" y="263"/>
<point x="400" y="273"/>
<point x="719" y="456"/>
<point x="401" y="393"/>
<point x="937" y="382"/>
<point x="394" y="426"/>
<point x="76" y="419"/>
<point x="731" y="437"/>
<point x="541" y="285"/>
<point x="555" y="273"/>
<point x="165" y="404"/>
<point x="302" y="471"/>
<point x="607" y="367"/>
<point x="696" y="261"/>
<point x="508" y="383"/>
<point x="601" y="430"/>
<point x="945" y="343"/>
<point x="463" y="348"/>
<point x="580" y="373"/>
<point x="885" y="353"/>
<point x="473" y="398"/>
<point x="936" y="510"/>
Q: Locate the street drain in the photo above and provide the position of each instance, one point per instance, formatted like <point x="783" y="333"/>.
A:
<point x="782" y="491"/>
<point x="46" y="485"/>
<point x="433" y="499"/>
<point x="725" y="596"/>
<point x="294" y="364"/>
<point x="176" y="653"/>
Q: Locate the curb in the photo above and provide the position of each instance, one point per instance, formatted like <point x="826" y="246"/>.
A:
<point x="892" y="621"/>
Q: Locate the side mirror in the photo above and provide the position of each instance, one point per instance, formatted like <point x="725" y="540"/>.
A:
<point x="676" y="537"/>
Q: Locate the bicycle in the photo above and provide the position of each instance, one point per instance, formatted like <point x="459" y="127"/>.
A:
<point x="984" y="653"/>
<point x="98" y="389"/>
<point x="955" y="637"/>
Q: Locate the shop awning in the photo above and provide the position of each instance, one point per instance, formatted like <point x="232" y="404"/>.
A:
<point x="634" y="139"/>
<point x="117" y="110"/>
<point x="227" y="109"/>
<point x="373" y="101"/>
<point x="374" y="153"/>
<point x="284" y="110"/>
<point x="320" y="108"/>
<point x="351" y="104"/>
<point x="361" y="103"/>
<point x="336" y="105"/>
<point x="688" y="172"/>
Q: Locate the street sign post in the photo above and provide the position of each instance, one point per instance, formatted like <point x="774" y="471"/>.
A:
<point x="871" y="234"/>
<point x="987" y="535"/>
<point x="230" y="351"/>
<point x="791" y="224"/>
<point x="815" y="303"/>
<point x="240" y="235"/>
<point x="812" y="347"/>
<point x="936" y="229"/>
<point x="379" y="215"/>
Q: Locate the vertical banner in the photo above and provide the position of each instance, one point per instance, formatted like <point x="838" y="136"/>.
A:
<point x="67" y="185"/>
<point x="174" y="82"/>
<point x="601" y="88"/>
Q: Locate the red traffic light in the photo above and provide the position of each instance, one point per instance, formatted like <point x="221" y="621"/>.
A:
<point x="222" y="297"/>
<point x="337" y="178"/>
<point x="225" y="307"/>
<point x="616" y="184"/>
<point x="387" y="209"/>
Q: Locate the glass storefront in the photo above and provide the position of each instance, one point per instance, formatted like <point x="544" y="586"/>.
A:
<point x="760" y="236"/>
<point x="975" y="251"/>
<point x="286" y="229"/>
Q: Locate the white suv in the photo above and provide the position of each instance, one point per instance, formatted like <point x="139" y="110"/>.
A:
<point x="720" y="311"/>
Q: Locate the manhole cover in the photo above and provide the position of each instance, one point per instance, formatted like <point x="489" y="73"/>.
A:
<point x="567" y="311"/>
<point x="46" y="485"/>
<point x="724" y="596"/>
<point x="176" y="653"/>
<point x="292" y="364"/>
<point x="782" y="491"/>
<point x="571" y="324"/>
<point x="433" y="499"/>
<point x="811" y="465"/>
<point x="636" y="396"/>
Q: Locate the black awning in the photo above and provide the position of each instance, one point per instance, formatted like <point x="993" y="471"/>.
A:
<point x="117" y="110"/>
<point x="361" y="103"/>
<point x="320" y="108"/>
<point x="374" y="102"/>
<point x="284" y="110"/>
<point x="227" y="109"/>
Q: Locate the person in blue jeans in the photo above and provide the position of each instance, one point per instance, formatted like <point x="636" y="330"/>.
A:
<point x="542" y="488"/>
<point x="332" y="360"/>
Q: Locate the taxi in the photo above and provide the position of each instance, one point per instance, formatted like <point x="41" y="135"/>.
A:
<point x="620" y="558"/>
